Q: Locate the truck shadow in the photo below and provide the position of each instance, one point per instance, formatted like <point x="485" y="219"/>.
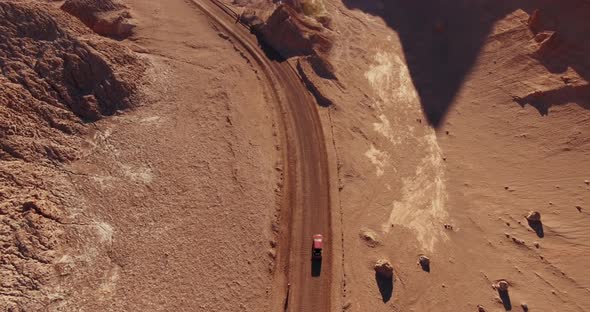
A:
<point x="316" y="267"/>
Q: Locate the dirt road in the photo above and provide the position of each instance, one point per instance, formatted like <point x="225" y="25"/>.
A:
<point x="306" y="209"/>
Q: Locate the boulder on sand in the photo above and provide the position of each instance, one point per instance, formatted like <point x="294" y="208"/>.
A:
<point x="369" y="237"/>
<point x="534" y="216"/>
<point x="383" y="268"/>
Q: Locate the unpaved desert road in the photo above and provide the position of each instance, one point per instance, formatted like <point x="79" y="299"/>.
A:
<point x="306" y="209"/>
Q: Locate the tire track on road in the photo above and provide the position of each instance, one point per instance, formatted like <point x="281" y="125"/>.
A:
<point x="306" y="203"/>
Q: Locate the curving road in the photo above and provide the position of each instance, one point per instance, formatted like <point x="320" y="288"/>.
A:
<point x="306" y="206"/>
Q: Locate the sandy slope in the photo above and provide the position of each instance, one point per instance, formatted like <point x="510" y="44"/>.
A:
<point x="412" y="162"/>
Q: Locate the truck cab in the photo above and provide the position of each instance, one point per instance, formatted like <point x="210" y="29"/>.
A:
<point x="316" y="249"/>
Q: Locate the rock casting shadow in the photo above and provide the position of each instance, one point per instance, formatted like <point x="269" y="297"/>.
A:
<point x="385" y="286"/>
<point x="316" y="267"/>
<point x="537" y="226"/>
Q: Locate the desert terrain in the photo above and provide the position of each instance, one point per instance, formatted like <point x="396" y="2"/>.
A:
<point x="179" y="155"/>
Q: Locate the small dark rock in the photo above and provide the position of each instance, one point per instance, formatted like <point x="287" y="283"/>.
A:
<point x="424" y="262"/>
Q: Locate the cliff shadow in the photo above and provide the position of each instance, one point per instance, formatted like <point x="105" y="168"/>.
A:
<point x="441" y="40"/>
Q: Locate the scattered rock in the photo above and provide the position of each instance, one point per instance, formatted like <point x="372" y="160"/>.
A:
<point x="383" y="268"/>
<point x="518" y="241"/>
<point x="424" y="262"/>
<point x="524" y="307"/>
<point x="448" y="226"/>
<point x="536" y="244"/>
<point x="501" y="285"/>
<point x="103" y="76"/>
<point x="369" y="237"/>
<point x="587" y="182"/>
<point x="534" y="216"/>
<point x="480" y="308"/>
<point x="579" y="208"/>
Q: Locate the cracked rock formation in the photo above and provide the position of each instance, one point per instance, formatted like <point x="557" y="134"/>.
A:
<point x="56" y="76"/>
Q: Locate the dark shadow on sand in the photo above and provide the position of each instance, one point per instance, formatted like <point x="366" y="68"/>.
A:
<point x="385" y="286"/>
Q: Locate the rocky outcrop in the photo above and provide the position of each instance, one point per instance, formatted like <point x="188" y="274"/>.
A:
<point x="250" y="18"/>
<point x="105" y="17"/>
<point x="384" y="269"/>
<point x="55" y="77"/>
<point x="292" y="34"/>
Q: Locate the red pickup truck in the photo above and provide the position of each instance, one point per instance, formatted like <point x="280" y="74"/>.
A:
<point x="316" y="249"/>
